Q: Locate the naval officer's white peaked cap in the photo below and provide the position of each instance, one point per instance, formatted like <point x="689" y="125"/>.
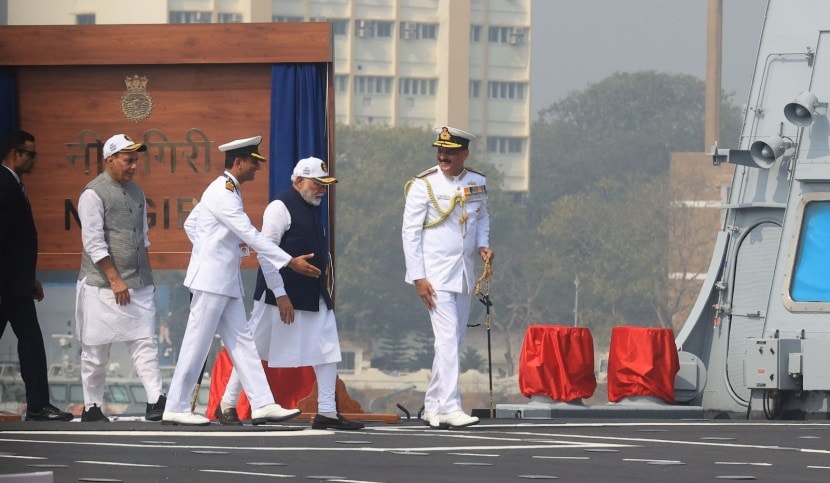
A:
<point x="244" y="147"/>
<point x="452" y="137"/>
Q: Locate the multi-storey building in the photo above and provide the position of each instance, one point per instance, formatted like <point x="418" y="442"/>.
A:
<point x="464" y="63"/>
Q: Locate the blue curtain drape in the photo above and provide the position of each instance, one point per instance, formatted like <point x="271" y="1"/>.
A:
<point x="298" y="120"/>
<point x="8" y="103"/>
<point x="298" y="124"/>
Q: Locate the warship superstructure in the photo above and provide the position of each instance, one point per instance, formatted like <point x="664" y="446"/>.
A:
<point x="758" y="338"/>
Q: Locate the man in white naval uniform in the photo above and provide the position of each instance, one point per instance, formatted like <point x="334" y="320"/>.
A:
<point x="445" y="223"/>
<point x="220" y="232"/>
<point x="293" y="316"/>
<point x="115" y="284"/>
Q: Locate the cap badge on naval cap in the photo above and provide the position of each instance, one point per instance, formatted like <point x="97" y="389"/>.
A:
<point x="445" y="134"/>
<point x="452" y="138"/>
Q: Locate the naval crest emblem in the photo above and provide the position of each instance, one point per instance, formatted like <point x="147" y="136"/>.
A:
<point x="136" y="103"/>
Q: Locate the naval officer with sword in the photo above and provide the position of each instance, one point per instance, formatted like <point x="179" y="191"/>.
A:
<point x="445" y="223"/>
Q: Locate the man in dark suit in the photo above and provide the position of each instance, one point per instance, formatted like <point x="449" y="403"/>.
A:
<point x="18" y="286"/>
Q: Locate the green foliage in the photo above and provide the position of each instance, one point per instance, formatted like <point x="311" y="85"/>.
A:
<point x="628" y="123"/>
<point x="392" y="355"/>
<point x="423" y="350"/>
<point x="614" y="239"/>
<point x="372" y="166"/>
<point x="597" y="209"/>
<point x="472" y="360"/>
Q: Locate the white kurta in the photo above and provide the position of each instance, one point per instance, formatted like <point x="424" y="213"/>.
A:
<point x="312" y="339"/>
<point x="99" y="319"/>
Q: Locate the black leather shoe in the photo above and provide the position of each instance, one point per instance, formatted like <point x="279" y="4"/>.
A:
<point x="156" y="410"/>
<point x="49" y="413"/>
<point x="322" y="422"/>
<point x="93" y="414"/>
<point x="228" y="417"/>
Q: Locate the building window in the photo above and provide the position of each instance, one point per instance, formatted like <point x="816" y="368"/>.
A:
<point x="383" y="29"/>
<point x="188" y="16"/>
<point x="85" y="19"/>
<point x="507" y="35"/>
<point x="506" y="90"/>
<point x="475" y="89"/>
<point x="368" y="84"/>
<point x="504" y="145"/>
<point x="416" y="30"/>
<point x="475" y="34"/>
<point x="340" y="26"/>
<point x="341" y="83"/>
<point x="286" y="18"/>
<point x="417" y="87"/>
<point x="372" y="28"/>
<point x="228" y="18"/>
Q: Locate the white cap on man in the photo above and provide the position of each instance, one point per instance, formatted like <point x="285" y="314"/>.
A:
<point x="121" y="142"/>
<point x="314" y="168"/>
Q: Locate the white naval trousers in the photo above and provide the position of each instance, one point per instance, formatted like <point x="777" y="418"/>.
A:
<point x="94" y="359"/>
<point x="211" y="313"/>
<point x="449" y="325"/>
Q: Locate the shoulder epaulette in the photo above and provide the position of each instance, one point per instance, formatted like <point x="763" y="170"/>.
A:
<point x="230" y="186"/>
<point x="419" y="175"/>
<point x="475" y="171"/>
<point x="426" y="173"/>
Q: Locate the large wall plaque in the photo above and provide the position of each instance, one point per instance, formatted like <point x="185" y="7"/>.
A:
<point x="181" y="89"/>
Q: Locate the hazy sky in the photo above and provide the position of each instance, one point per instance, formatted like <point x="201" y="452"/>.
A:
<point x="579" y="42"/>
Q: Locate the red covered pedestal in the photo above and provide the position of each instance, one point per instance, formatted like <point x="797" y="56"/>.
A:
<point x="288" y="385"/>
<point x="557" y="362"/>
<point x="642" y="361"/>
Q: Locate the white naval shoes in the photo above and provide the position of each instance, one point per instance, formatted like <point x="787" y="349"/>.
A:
<point x="430" y="418"/>
<point x="456" y="419"/>
<point x="184" y="419"/>
<point x="272" y="413"/>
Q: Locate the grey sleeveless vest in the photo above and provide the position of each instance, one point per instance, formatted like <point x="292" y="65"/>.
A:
<point x="123" y="232"/>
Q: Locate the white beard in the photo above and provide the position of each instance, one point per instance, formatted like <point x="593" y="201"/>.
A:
<point x="311" y="199"/>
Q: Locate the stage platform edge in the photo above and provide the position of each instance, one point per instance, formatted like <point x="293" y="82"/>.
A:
<point x="639" y="408"/>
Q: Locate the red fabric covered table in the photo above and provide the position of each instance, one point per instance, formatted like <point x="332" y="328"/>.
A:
<point x="642" y="361"/>
<point x="288" y="385"/>
<point x="557" y="362"/>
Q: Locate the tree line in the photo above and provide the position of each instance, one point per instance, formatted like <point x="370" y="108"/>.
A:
<point x="599" y="208"/>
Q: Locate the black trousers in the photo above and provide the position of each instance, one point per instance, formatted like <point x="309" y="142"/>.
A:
<point x="21" y="314"/>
